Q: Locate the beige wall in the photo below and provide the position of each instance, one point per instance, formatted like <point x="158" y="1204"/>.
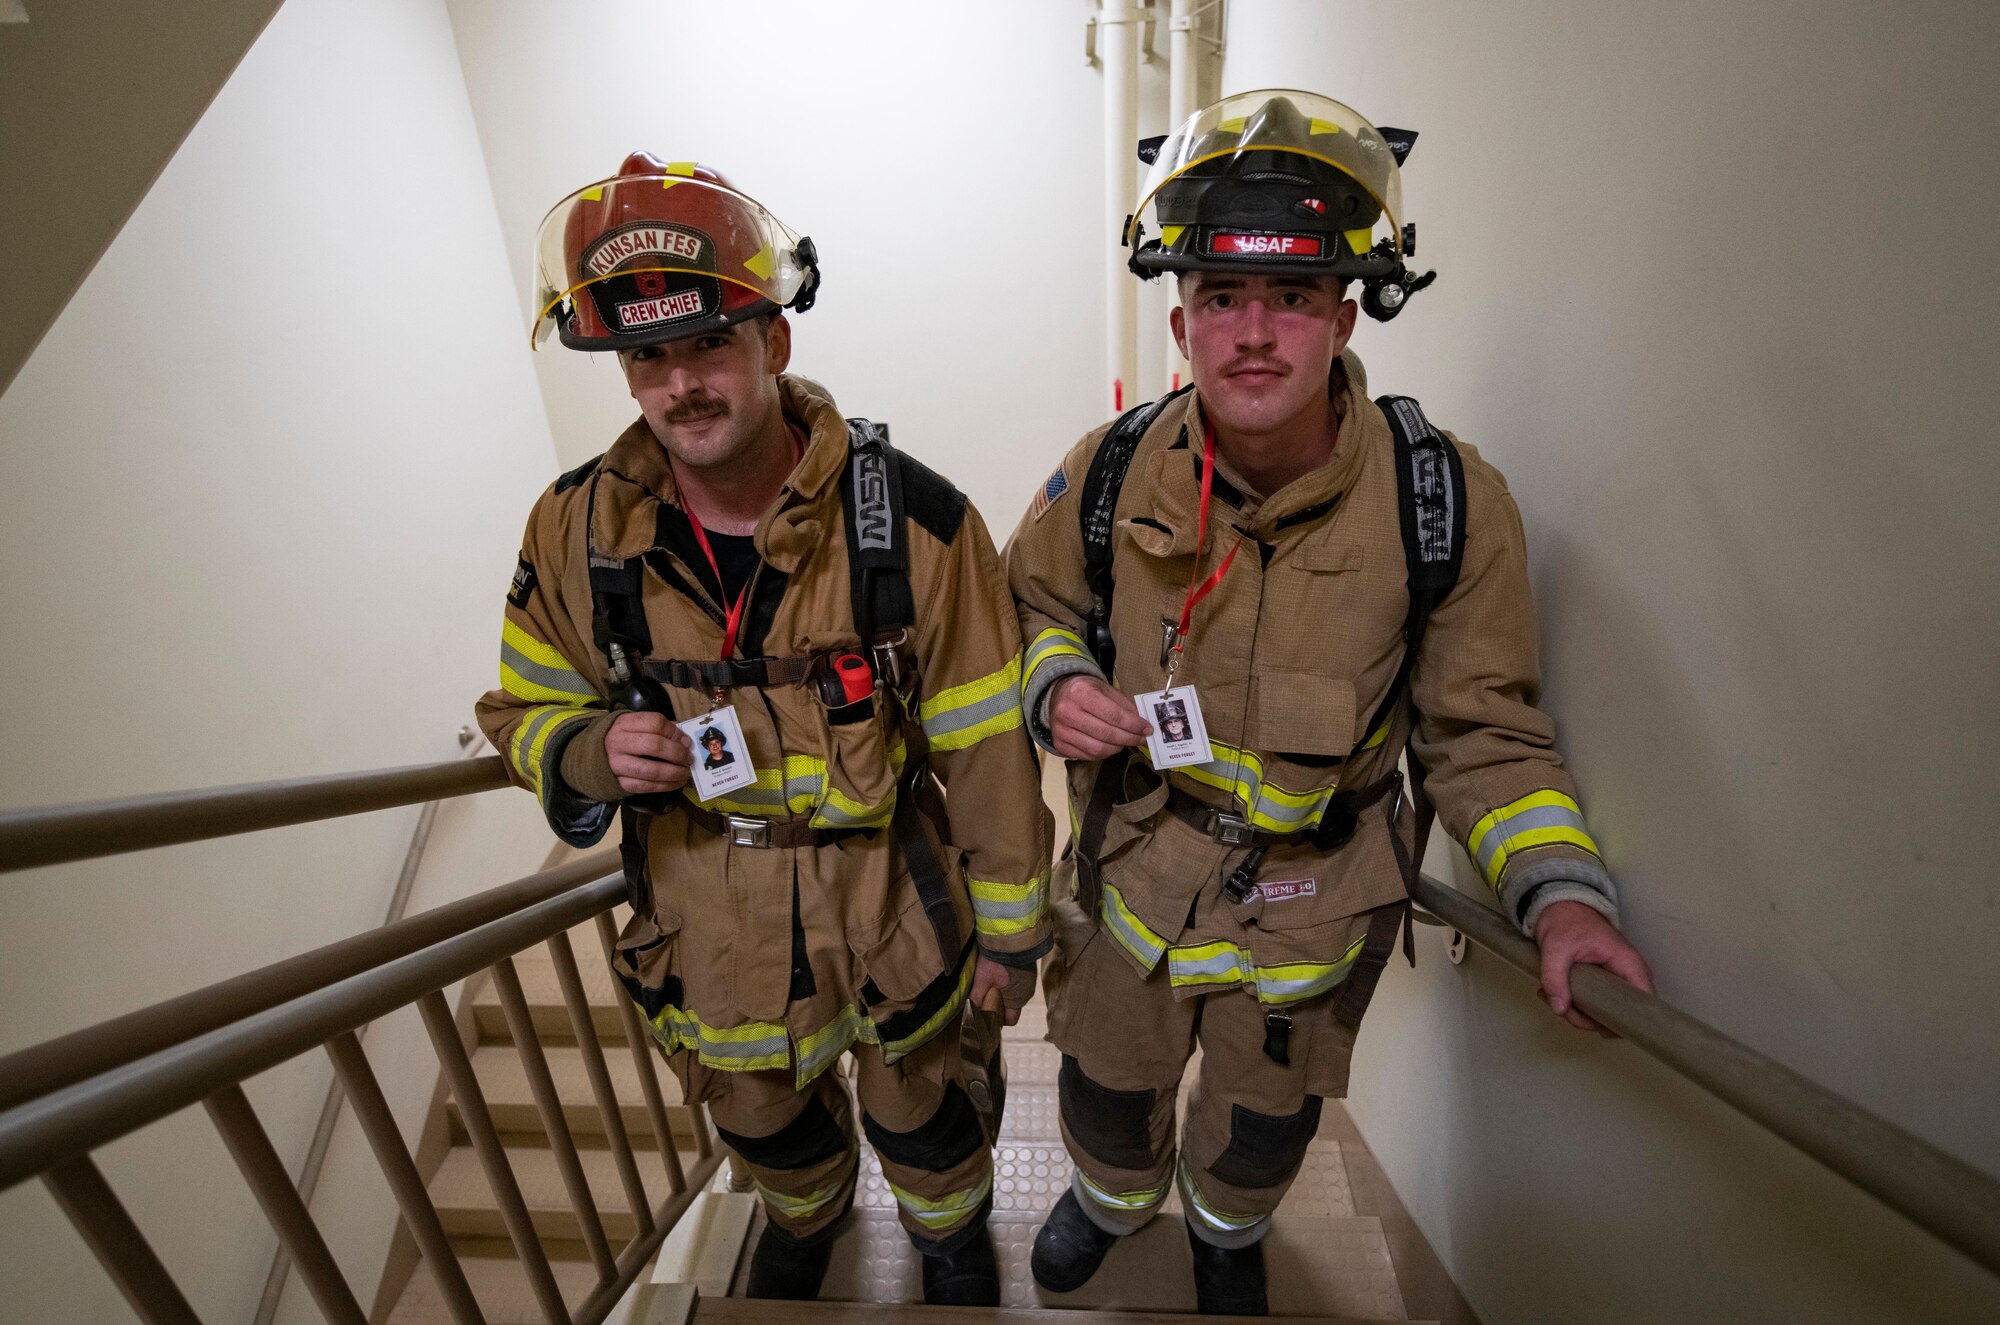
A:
<point x="1717" y="297"/>
<point x="95" y="95"/>
<point x="260" y="493"/>
<point x="945" y="159"/>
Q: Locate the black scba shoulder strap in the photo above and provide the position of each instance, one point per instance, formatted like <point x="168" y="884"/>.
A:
<point x="878" y="548"/>
<point x="1098" y="510"/>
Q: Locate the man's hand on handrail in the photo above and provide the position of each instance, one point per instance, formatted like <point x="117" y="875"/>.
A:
<point x="1571" y="933"/>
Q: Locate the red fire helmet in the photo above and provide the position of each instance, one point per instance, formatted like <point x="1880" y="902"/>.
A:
<point x="660" y="251"/>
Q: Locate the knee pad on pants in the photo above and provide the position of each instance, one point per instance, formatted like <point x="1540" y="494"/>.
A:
<point x="1114" y="1126"/>
<point x="811" y="1138"/>
<point x="1265" y="1149"/>
<point x="946" y="1140"/>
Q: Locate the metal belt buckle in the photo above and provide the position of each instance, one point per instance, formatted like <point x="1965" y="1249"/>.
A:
<point x="745" y="831"/>
<point x="1232" y="830"/>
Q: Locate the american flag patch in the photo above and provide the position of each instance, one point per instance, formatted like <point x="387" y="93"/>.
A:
<point x="1057" y="485"/>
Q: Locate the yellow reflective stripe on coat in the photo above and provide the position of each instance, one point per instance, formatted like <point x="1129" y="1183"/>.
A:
<point x="1130" y="931"/>
<point x="941" y="1213"/>
<point x="1219" y="1221"/>
<point x="1224" y="963"/>
<point x="1266" y="805"/>
<point x="757" y="1046"/>
<point x="1008" y="908"/>
<point x="1055" y="642"/>
<point x="529" y="748"/>
<point x="965" y="715"/>
<point x="1538" y="819"/>
<point x="817" y="1051"/>
<point x="531" y="670"/>
<point x="802" y="788"/>
<point x="1139" y="1200"/>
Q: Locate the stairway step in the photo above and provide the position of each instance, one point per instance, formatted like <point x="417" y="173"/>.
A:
<point x="504" y="1081"/>
<point x="465" y="1201"/>
<point x="544" y="996"/>
<point x="500" y="1286"/>
<point x="734" y="1309"/>
<point x="1319" y="1268"/>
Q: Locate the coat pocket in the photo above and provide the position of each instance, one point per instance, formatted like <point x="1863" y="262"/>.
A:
<point x="861" y="745"/>
<point x="646" y="962"/>
<point x="911" y="991"/>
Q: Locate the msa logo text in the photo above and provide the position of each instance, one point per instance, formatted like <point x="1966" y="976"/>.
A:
<point x="871" y="502"/>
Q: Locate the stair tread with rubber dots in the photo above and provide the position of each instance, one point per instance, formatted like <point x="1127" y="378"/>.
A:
<point x="1327" y="1262"/>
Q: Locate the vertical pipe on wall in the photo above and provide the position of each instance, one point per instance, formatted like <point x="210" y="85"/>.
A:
<point x="1118" y="45"/>
<point x="1183" y="63"/>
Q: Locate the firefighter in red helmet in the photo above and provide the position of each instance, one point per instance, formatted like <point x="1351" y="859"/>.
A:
<point x="858" y="852"/>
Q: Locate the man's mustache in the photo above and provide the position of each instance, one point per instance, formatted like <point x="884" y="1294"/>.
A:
<point x="693" y="411"/>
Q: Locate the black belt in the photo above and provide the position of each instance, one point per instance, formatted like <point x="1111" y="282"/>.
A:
<point x="1336" y="825"/>
<point x="748" y="831"/>
<point x="755" y="673"/>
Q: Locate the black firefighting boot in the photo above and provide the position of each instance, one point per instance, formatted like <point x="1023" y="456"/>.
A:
<point x="786" y="1267"/>
<point x="1228" y="1282"/>
<point x="965" y="1273"/>
<point x="1069" y="1247"/>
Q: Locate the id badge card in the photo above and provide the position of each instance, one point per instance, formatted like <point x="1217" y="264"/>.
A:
<point x="721" y="755"/>
<point x="1179" y="735"/>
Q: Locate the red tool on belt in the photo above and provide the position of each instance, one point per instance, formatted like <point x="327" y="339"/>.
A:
<point x="857" y="679"/>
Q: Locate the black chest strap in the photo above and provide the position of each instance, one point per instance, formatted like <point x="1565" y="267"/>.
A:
<point x="1098" y="509"/>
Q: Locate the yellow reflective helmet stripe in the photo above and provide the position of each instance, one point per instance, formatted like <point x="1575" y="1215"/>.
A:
<point x="967" y="714"/>
<point x="1541" y="818"/>
<point x="538" y="673"/>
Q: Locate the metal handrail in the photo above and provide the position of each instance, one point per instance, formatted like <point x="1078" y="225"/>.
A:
<point x="54" y="834"/>
<point x="68" y="1059"/>
<point x="63" y="1124"/>
<point x="1941" y="1194"/>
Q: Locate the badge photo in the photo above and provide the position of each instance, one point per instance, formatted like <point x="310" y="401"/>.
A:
<point x="721" y="755"/>
<point x="1179" y="735"/>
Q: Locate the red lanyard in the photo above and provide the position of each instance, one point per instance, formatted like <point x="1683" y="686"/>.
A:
<point x="733" y="619"/>
<point x="1200" y="590"/>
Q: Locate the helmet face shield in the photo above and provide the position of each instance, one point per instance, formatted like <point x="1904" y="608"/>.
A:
<point x="1272" y="180"/>
<point x="660" y="254"/>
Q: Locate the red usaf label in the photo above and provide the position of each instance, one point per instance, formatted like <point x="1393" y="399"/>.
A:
<point x="671" y="308"/>
<point x="1240" y="244"/>
<point x="1285" y="890"/>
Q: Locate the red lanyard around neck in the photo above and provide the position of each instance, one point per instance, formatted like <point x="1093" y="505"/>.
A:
<point x="1198" y="590"/>
<point x="732" y="620"/>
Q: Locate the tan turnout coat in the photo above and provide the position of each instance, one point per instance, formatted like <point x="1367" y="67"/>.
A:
<point x="715" y="960"/>
<point x="1291" y="655"/>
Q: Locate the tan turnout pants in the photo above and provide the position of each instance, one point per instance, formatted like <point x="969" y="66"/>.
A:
<point x="801" y="1148"/>
<point x="1126" y="1039"/>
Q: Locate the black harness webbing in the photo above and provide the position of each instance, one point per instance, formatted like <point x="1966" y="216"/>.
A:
<point x="1098" y="511"/>
<point x="884" y="611"/>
